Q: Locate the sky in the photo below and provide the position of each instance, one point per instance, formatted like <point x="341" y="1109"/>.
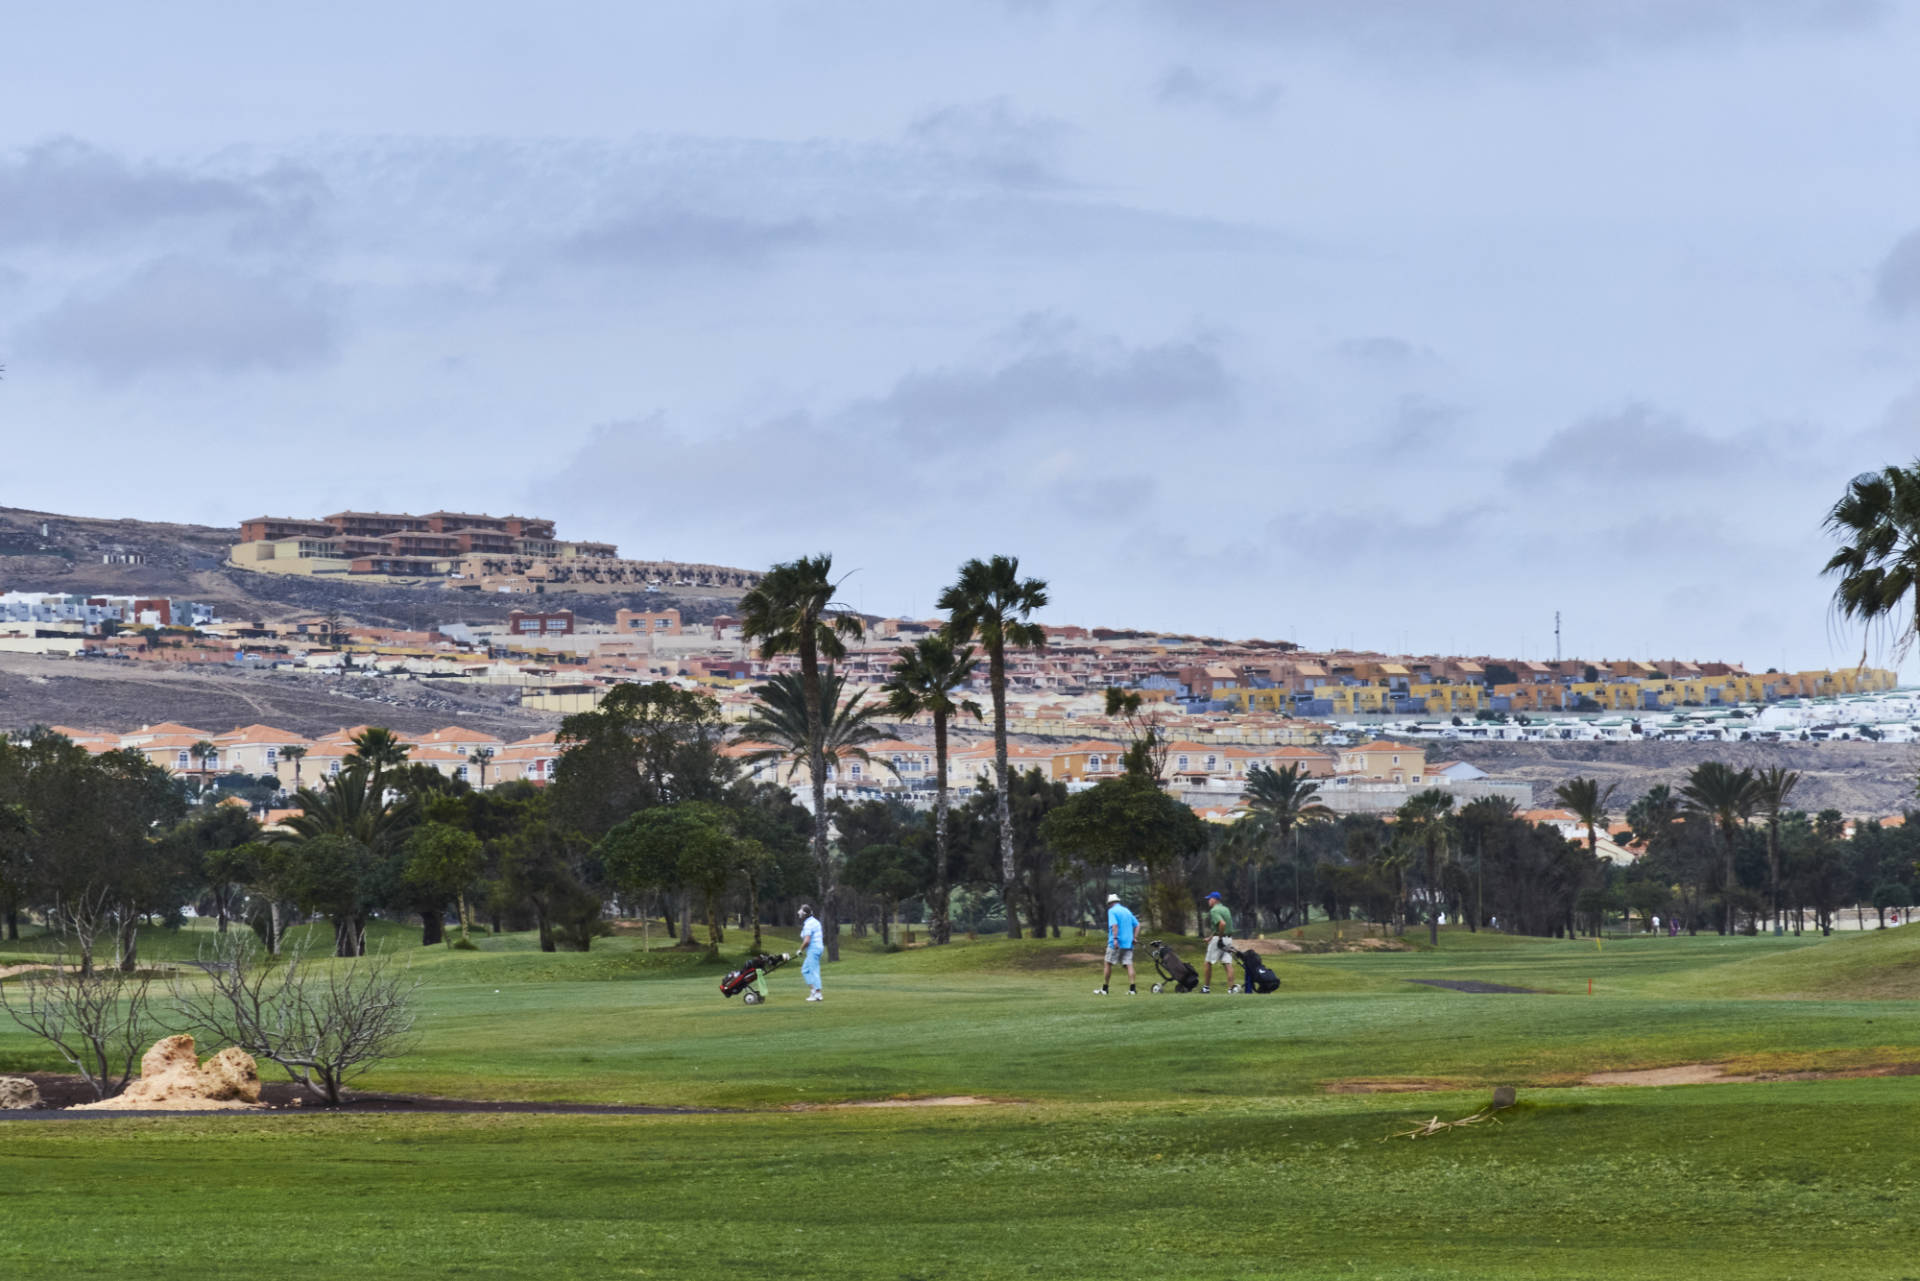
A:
<point x="1377" y="323"/>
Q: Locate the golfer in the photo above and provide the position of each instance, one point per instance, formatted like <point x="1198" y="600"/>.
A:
<point x="1219" y="942"/>
<point x="812" y="944"/>
<point x="1121" y="926"/>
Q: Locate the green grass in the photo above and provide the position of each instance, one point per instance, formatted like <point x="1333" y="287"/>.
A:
<point x="1171" y="1136"/>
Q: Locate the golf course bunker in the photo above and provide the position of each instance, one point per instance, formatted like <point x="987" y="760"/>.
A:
<point x="1477" y="987"/>
<point x="60" y="1091"/>
<point x="1718" y="1074"/>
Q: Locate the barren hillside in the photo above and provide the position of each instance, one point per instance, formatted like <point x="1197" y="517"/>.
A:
<point x="36" y="690"/>
<point x="47" y="551"/>
<point x="1855" y="778"/>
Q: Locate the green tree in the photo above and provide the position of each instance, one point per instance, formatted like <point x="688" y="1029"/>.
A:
<point x="376" y="751"/>
<point x="1588" y="802"/>
<point x="1129" y="822"/>
<point x="1772" y="787"/>
<point x="1726" y="798"/>
<point x="1279" y="803"/>
<point x="693" y="844"/>
<point x="924" y="678"/>
<point x="296" y="754"/>
<point x="443" y="861"/>
<point x="1424" y="823"/>
<point x="1877" y="522"/>
<point x="791" y="612"/>
<point x="207" y="843"/>
<point x="362" y="828"/>
<point x="644" y="745"/>
<point x="990" y="602"/>
<point x="779" y="722"/>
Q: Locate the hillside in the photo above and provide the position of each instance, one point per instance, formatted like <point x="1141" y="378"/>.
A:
<point x="47" y="691"/>
<point x="1854" y="778"/>
<point x="189" y="561"/>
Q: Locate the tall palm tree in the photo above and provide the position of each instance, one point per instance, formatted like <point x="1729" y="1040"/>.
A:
<point x="779" y="720"/>
<point x="377" y="750"/>
<point x="351" y="806"/>
<point x="1478" y="818"/>
<point x="924" y="677"/>
<point x="204" y="751"/>
<point x="1878" y="524"/>
<point x="1424" y="820"/>
<point x="1588" y="803"/>
<point x="1282" y="801"/>
<point x="296" y="754"/>
<point x="481" y="757"/>
<point x="788" y="613"/>
<point x="1725" y="797"/>
<point x="1772" y="787"/>
<point x="989" y="601"/>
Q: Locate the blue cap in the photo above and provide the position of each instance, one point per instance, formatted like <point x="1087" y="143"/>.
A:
<point x="1215" y="894"/>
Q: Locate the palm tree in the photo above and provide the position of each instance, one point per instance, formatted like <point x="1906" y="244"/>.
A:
<point x="1282" y="802"/>
<point x="779" y="720"/>
<point x="1478" y="817"/>
<point x="204" y="751"/>
<point x="481" y="757"/>
<point x="1588" y="803"/>
<point x="1424" y="820"/>
<point x="1878" y="523"/>
<point x="296" y="754"/>
<point x="1772" y="787"/>
<point x="351" y="807"/>
<point x="788" y="614"/>
<point x="990" y="601"/>
<point x="1725" y="797"/>
<point x="925" y="675"/>
<point x="375" y="751"/>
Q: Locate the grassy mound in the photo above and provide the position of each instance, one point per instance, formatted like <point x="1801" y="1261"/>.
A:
<point x="1875" y="965"/>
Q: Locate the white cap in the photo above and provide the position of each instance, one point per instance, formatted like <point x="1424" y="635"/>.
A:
<point x="1113" y="898"/>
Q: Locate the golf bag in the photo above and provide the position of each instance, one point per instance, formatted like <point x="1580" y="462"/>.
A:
<point x="1258" y="977"/>
<point x="745" y="981"/>
<point x="1182" y="976"/>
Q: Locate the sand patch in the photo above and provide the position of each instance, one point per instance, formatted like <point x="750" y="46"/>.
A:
<point x="15" y="971"/>
<point x="1719" y="1074"/>
<point x="1268" y="947"/>
<point x="1408" y="1085"/>
<point x="935" y="1101"/>
<point x="1089" y="958"/>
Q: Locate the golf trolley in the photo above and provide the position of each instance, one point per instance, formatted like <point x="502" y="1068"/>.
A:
<point x="1173" y="970"/>
<point x="746" y="981"/>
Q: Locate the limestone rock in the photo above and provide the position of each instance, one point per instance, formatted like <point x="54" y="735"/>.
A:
<point x="173" y="1079"/>
<point x="17" y="1094"/>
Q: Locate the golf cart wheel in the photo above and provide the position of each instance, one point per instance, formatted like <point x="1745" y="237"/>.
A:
<point x="751" y="998"/>
<point x="1158" y="988"/>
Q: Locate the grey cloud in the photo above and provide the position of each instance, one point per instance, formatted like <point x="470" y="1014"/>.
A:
<point x="1641" y="444"/>
<point x="182" y="314"/>
<point x="1053" y="374"/>
<point x="1187" y="87"/>
<point x="1337" y="540"/>
<point x="1419" y="422"/>
<point x="665" y="236"/>
<point x="1381" y="350"/>
<point x="65" y="192"/>
<point x="994" y="140"/>
<point x="1896" y="286"/>
<point x="1527" y="30"/>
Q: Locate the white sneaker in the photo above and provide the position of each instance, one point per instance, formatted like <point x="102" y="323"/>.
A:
<point x="815" y="995"/>
<point x="1205" y="991"/>
<point x="1099" y="991"/>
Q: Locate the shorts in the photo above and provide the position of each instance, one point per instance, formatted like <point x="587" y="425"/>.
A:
<point x="1119" y="955"/>
<point x="1219" y="951"/>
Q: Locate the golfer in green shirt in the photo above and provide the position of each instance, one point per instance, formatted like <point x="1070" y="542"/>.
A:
<point x="1219" y="942"/>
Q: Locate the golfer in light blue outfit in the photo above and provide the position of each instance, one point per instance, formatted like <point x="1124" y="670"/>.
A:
<point x="812" y="944"/>
<point x="1121" y="927"/>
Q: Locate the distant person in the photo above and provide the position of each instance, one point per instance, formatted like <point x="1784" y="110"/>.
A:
<point x="1219" y="941"/>
<point x="1122" y="925"/>
<point x="812" y="944"/>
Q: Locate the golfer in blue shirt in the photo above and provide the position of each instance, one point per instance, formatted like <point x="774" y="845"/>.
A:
<point x="1121" y="927"/>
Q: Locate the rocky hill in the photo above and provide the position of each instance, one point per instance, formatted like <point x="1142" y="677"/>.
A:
<point x="1859" y="779"/>
<point x="50" y="552"/>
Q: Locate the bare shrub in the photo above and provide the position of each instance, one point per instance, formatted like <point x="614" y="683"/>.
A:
<point x="97" y="1018"/>
<point x="324" y="1021"/>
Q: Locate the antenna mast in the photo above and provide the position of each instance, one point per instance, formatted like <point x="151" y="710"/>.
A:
<point x="1556" y="635"/>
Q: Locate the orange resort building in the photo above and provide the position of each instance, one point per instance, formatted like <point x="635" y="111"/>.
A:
<point x="475" y="756"/>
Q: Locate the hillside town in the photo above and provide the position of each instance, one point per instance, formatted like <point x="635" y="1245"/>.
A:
<point x="1372" y="726"/>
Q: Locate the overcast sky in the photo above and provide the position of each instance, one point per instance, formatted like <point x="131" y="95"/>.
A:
<point x="1395" y="323"/>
